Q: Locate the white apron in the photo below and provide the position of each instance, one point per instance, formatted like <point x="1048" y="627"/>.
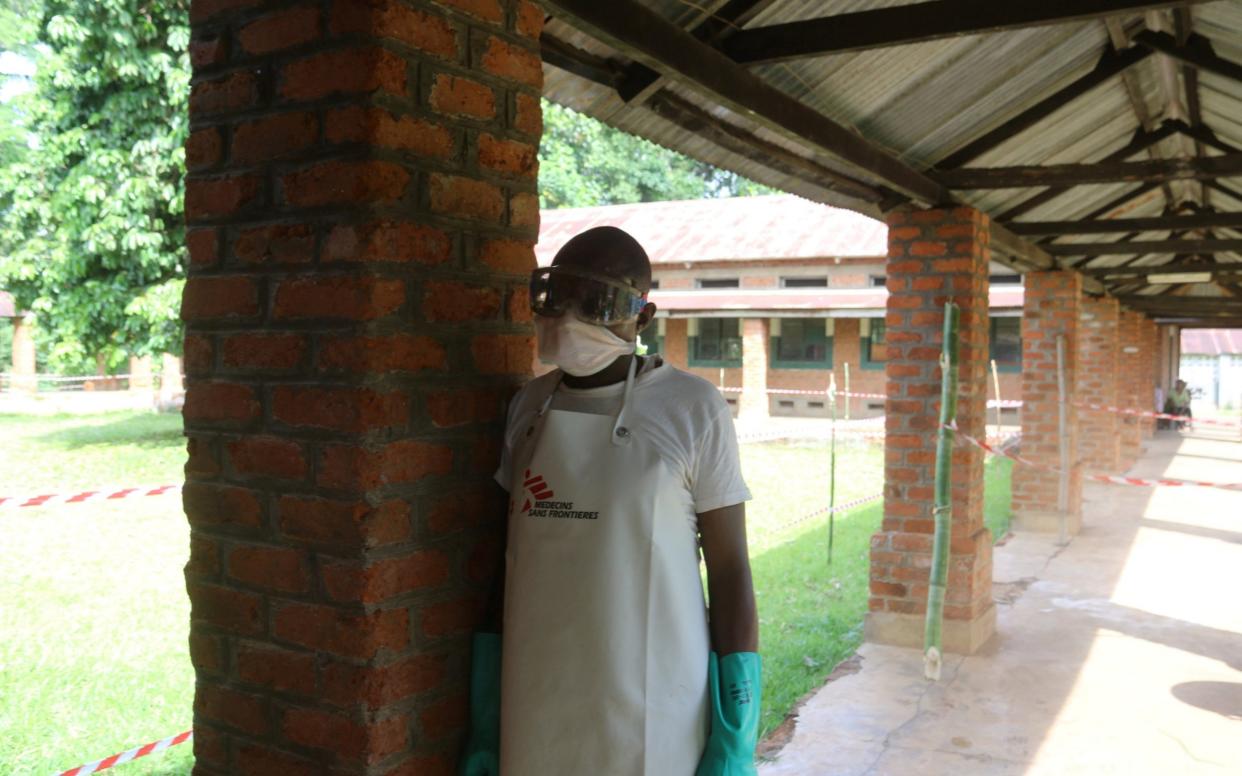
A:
<point x="605" y="629"/>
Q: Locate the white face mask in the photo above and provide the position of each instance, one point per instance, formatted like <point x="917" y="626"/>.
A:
<point x="577" y="347"/>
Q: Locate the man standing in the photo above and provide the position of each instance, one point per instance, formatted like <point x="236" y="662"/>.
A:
<point x="619" y="468"/>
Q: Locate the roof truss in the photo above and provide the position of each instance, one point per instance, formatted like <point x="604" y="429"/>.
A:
<point x="916" y="23"/>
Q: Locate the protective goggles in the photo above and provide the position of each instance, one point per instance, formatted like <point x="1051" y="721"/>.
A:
<point x="595" y="298"/>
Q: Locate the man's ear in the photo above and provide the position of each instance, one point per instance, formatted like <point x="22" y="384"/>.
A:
<point x="645" y="317"/>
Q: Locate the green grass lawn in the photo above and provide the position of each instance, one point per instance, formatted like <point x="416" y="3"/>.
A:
<point x="95" y="618"/>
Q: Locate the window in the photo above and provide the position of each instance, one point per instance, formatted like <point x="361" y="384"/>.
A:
<point x="715" y="342"/>
<point x="801" y="343"/>
<point x="651" y="340"/>
<point x="872" y="343"/>
<point x="804" y="282"/>
<point x="1004" y="280"/>
<point x="1005" y="344"/>
<point x="879" y="281"/>
<point x="716" y="283"/>
<point x="655" y="284"/>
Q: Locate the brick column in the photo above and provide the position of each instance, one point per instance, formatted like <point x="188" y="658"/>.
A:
<point x="1051" y="310"/>
<point x="1133" y="382"/>
<point x="24" y="367"/>
<point x="1098" y="363"/>
<point x="362" y="213"/>
<point x="754" y="402"/>
<point x="933" y="256"/>
<point x="1152" y="358"/>
<point x="847" y="348"/>
<point x="140" y="373"/>
<point x="676" y="343"/>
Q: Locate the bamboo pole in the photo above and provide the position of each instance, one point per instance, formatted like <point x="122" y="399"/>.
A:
<point x="1062" y="446"/>
<point x="943" y="510"/>
<point x="832" y="463"/>
<point x="996" y="390"/>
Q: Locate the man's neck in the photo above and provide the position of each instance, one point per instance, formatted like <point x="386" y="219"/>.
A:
<point x="612" y="374"/>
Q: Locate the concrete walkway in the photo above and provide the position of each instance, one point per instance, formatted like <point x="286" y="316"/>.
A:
<point x="1120" y="653"/>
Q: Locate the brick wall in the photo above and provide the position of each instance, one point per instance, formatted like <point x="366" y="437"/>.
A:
<point x="362" y="211"/>
<point x="1132" y="382"/>
<point x="934" y="256"/>
<point x="1052" y="310"/>
<point x="1096" y="382"/>
<point x="1150" y="336"/>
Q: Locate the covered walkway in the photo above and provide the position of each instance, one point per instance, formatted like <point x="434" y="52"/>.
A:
<point x="1119" y="653"/>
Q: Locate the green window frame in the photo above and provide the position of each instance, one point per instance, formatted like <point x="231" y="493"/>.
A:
<point x="874" y="336"/>
<point x="801" y="343"/>
<point x="1005" y="343"/>
<point x="715" y="342"/>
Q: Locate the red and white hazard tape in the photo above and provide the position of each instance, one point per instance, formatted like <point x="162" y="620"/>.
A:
<point x="133" y="754"/>
<point x="1164" y="415"/>
<point x="45" y="499"/>
<point x="830" y="510"/>
<point x="1110" y="478"/>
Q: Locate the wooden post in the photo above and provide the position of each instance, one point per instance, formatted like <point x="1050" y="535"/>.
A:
<point x="832" y="461"/>
<point x="996" y="390"/>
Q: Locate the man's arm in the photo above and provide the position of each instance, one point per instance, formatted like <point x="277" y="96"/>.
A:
<point x="731" y="595"/>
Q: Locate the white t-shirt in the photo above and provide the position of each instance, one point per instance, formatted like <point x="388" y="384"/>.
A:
<point x="684" y="416"/>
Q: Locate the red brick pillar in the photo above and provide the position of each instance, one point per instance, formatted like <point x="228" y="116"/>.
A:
<point x="1151" y="333"/>
<point x="1050" y="310"/>
<point x="24" y="368"/>
<point x="676" y="343"/>
<point x="933" y="256"/>
<point x="362" y="211"/>
<point x="754" y="402"/>
<point x="1098" y="363"/>
<point x="847" y="349"/>
<point x="1132" y="383"/>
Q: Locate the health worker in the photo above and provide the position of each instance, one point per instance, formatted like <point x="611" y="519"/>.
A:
<point x="619" y="469"/>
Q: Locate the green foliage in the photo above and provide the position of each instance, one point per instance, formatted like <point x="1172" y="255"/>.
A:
<point x="583" y="162"/>
<point x="92" y="240"/>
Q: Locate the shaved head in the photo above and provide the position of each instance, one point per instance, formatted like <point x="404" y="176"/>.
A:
<point x="608" y="251"/>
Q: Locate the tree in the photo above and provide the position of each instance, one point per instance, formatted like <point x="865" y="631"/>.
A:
<point x="583" y="162"/>
<point x="92" y="240"/>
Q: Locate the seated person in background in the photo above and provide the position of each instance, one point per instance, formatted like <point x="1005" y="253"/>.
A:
<point x="1178" y="402"/>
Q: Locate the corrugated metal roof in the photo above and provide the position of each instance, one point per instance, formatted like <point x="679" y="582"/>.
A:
<point x="926" y="100"/>
<point x="773" y="227"/>
<point x="849" y="302"/>
<point x="1212" y="342"/>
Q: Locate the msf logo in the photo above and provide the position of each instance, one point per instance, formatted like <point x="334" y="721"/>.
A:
<point x="536" y="490"/>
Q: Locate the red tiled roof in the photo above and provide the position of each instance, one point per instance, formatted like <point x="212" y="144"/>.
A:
<point x="1213" y="342"/>
<point x="783" y="300"/>
<point x="781" y="226"/>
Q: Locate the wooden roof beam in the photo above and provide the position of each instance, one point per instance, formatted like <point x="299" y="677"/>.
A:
<point x="645" y="36"/>
<point x="640" y="81"/>
<point x="1198" y="51"/>
<point x="1163" y="269"/>
<point x="1155" y="170"/>
<point x="1110" y="225"/>
<point x="916" y="23"/>
<point x="1147" y="246"/>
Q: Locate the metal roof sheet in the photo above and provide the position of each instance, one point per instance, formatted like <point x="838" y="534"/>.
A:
<point x="924" y="101"/>
<point x="1212" y="342"/>
<point x="847" y="302"/>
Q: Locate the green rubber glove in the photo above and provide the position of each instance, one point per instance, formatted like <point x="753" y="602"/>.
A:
<point x="482" y="756"/>
<point x="735" y="688"/>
